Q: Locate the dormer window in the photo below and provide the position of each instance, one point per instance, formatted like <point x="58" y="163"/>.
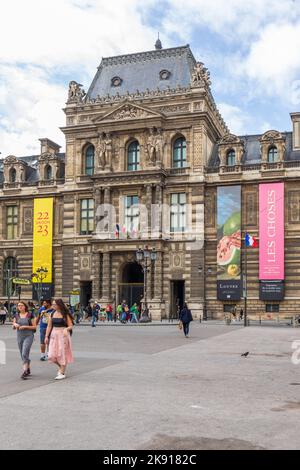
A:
<point x="12" y="175"/>
<point x="272" y="154"/>
<point x="230" y="158"/>
<point x="164" y="74"/>
<point x="48" y="172"/>
<point x="116" y="81"/>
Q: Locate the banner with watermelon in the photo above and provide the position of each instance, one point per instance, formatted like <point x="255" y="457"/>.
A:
<point x="229" y="277"/>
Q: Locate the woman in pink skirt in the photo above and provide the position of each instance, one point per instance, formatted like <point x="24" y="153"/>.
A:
<point x="58" y="337"/>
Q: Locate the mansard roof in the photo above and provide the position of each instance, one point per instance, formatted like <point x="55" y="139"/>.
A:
<point x="160" y="68"/>
<point x="252" y="151"/>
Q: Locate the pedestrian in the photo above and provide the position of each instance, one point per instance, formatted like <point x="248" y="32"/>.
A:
<point x="43" y="317"/>
<point x="241" y="314"/>
<point x="109" y="314"/>
<point x="58" y="337"/>
<point x="3" y="313"/>
<point x="119" y="312"/>
<point x="95" y="312"/>
<point x="186" y="317"/>
<point x="25" y="324"/>
<point x="134" y="313"/>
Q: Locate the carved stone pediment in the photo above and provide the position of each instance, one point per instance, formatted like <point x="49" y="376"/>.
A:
<point x="271" y="136"/>
<point x="46" y="157"/>
<point x="10" y="160"/>
<point x="127" y="111"/>
<point x="230" y="139"/>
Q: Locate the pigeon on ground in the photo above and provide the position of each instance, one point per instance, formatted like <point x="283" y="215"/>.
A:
<point x="245" y="354"/>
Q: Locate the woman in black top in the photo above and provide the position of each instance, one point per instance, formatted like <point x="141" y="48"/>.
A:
<point x="58" y="336"/>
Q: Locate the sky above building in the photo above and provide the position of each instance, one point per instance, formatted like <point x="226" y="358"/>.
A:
<point x="250" y="48"/>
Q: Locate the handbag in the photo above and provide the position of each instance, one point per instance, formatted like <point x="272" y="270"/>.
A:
<point x="180" y="325"/>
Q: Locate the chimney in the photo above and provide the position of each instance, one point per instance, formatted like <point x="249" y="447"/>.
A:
<point x="296" y="130"/>
<point x="48" y="146"/>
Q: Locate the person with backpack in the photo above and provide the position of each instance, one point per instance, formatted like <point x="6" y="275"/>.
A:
<point x="44" y="314"/>
<point x="185" y="317"/>
<point x="58" y="337"/>
<point x="25" y="324"/>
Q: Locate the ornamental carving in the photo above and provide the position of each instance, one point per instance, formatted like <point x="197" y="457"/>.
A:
<point x="104" y="150"/>
<point x="155" y="145"/>
<point x="230" y="139"/>
<point x="76" y="93"/>
<point x="200" y="76"/>
<point x="271" y="136"/>
<point x="11" y="159"/>
<point x="130" y="112"/>
<point x="176" y="108"/>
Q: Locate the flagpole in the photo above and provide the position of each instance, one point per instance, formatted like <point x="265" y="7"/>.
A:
<point x="245" y="288"/>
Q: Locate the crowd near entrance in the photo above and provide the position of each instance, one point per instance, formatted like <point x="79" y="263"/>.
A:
<point x="131" y="286"/>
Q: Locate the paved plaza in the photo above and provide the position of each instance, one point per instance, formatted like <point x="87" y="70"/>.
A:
<point x="147" y="387"/>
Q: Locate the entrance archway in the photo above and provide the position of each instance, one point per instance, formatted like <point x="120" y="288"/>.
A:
<point x="131" y="287"/>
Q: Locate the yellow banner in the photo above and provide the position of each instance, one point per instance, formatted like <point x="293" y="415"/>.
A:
<point x="42" y="239"/>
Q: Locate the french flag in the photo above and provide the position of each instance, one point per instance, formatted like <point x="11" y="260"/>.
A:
<point x="250" y="241"/>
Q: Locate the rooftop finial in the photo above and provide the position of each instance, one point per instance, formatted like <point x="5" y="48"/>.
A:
<point x="158" y="44"/>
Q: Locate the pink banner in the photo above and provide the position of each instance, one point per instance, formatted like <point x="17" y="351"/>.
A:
<point x="271" y="231"/>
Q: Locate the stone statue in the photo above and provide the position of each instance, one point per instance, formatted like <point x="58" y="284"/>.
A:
<point x="76" y="94"/>
<point x="200" y="74"/>
<point x="104" y="150"/>
<point x="155" y="145"/>
<point x="151" y="145"/>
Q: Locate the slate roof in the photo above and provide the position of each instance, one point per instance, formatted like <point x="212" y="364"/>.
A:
<point x="141" y="71"/>
<point x="252" y="150"/>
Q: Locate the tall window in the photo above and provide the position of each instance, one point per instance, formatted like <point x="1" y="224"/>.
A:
<point x="12" y="175"/>
<point x="179" y="153"/>
<point x="10" y="269"/>
<point x="48" y="172"/>
<point x="132" y="214"/>
<point x="133" y="162"/>
<point x="12" y="222"/>
<point x="89" y="160"/>
<point x="230" y="159"/>
<point x="272" y="154"/>
<point x="178" y="212"/>
<point x="86" y="216"/>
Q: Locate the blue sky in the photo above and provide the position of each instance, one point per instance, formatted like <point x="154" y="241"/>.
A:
<point x="251" y="49"/>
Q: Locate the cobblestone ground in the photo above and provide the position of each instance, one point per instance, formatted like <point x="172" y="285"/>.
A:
<point x="147" y="387"/>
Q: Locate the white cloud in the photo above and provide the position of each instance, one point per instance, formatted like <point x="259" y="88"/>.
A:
<point x="49" y="42"/>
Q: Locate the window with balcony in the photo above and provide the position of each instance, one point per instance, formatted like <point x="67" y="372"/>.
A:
<point x="132" y="214"/>
<point x="272" y="154"/>
<point x="230" y="158"/>
<point x="89" y="160"/>
<point x="133" y="161"/>
<point x="12" y="222"/>
<point x="178" y="213"/>
<point x="86" y="216"/>
<point x="179" y="153"/>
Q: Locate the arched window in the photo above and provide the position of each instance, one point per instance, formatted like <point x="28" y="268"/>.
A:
<point x="272" y="154"/>
<point x="179" y="153"/>
<point x="48" y="172"/>
<point x="133" y="162"/>
<point x="10" y="269"/>
<point x="12" y="175"/>
<point x="230" y="158"/>
<point x="89" y="160"/>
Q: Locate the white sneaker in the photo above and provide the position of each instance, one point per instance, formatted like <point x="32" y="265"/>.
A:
<point x="60" y="377"/>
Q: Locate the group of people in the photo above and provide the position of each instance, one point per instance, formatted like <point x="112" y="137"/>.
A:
<point x="123" y="313"/>
<point x="56" y="323"/>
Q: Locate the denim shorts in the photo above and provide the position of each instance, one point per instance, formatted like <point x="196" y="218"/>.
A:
<point x="42" y="335"/>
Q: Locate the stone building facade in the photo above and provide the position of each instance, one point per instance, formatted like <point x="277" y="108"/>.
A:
<point x="147" y="132"/>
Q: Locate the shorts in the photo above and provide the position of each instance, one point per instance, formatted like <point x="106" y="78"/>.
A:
<point x="42" y="335"/>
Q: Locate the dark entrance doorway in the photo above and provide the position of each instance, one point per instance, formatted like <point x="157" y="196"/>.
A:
<point x="131" y="287"/>
<point x="85" y="292"/>
<point x="177" y="298"/>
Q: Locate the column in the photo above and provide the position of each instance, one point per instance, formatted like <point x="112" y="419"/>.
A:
<point x="106" y="278"/>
